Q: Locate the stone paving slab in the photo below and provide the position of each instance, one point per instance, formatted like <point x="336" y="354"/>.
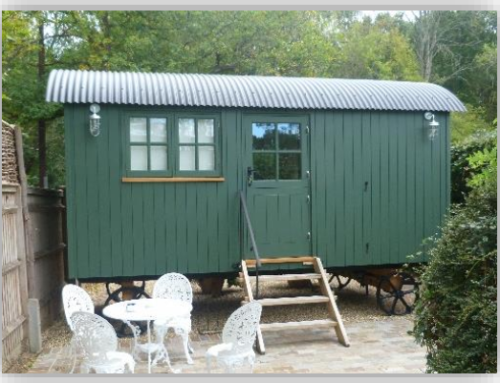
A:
<point x="381" y="346"/>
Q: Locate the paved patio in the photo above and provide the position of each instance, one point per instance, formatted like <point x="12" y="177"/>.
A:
<point x="381" y="346"/>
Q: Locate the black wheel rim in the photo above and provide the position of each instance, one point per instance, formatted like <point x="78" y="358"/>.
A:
<point x="397" y="301"/>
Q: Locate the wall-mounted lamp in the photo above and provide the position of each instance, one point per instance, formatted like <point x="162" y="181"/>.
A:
<point x="433" y="125"/>
<point x="95" y="120"/>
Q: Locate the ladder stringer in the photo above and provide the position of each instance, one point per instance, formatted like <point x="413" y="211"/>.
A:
<point x="249" y="297"/>
<point x="331" y="304"/>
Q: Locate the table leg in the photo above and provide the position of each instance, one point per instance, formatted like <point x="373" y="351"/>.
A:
<point x="149" y="350"/>
<point x="136" y="332"/>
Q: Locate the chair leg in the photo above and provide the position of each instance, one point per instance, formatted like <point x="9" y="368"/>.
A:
<point x="84" y="369"/>
<point x="208" y="360"/>
<point x="185" y="341"/>
<point x="190" y="347"/>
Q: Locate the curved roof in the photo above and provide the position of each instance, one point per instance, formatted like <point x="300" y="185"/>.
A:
<point x="70" y="86"/>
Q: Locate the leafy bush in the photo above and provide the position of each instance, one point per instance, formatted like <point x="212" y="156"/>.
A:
<point x="456" y="315"/>
<point x="466" y="124"/>
<point x="461" y="170"/>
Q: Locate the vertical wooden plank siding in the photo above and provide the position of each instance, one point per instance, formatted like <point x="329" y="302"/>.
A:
<point x="376" y="188"/>
<point x="339" y="191"/>
<point x="410" y="224"/>
<point x="402" y="190"/>
<point x="367" y="184"/>
<point x="319" y="176"/>
<point x="331" y="122"/>
<point x="82" y="209"/>
<point x="72" y="236"/>
<point x="357" y="189"/>
<point x="103" y="202"/>
<point x="348" y="187"/>
<point x="116" y="192"/>
<point x="126" y="229"/>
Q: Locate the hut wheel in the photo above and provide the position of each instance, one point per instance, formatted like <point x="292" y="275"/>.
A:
<point x="396" y="293"/>
<point x="124" y="292"/>
<point x="340" y="283"/>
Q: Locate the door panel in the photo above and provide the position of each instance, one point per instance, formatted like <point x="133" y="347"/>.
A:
<point x="278" y="184"/>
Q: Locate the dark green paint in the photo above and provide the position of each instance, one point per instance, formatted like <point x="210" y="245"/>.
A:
<point x="378" y="186"/>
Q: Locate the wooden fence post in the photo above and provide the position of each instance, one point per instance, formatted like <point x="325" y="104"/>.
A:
<point x="30" y="256"/>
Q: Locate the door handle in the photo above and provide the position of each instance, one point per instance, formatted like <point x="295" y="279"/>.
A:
<point x="250" y="175"/>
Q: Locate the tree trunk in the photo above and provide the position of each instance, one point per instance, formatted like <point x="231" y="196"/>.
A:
<point x="42" y="150"/>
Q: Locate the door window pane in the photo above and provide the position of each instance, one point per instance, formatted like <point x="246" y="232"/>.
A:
<point x="288" y="136"/>
<point x="206" y="131"/>
<point x="138" y="130"/>
<point x="206" y="158"/>
<point x="263" y="136"/>
<point x="158" y="130"/>
<point x="158" y="157"/>
<point x="186" y="131"/>
<point x="289" y="164"/>
<point x="187" y="158"/>
<point x="265" y="166"/>
<point x="139" y="158"/>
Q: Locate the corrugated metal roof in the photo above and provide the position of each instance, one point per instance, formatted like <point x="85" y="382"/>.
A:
<point x="70" y="86"/>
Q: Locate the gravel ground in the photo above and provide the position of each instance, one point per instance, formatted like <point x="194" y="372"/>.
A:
<point x="209" y="314"/>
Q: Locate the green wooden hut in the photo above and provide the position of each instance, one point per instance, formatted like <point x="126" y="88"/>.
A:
<point x="356" y="172"/>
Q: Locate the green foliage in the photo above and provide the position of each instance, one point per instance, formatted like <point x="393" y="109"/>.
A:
<point x="485" y="164"/>
<point x="467" y="124"/>
<point x="375" y="51"/>
<point x="461" y="170"/>
<point x="456" y="315"/>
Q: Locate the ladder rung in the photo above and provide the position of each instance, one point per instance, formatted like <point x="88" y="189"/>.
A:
<point x="289" y="277"/>
<point x="293" y="300"/>
<point x="297" y="325"/>
<point x="277" y="261"/>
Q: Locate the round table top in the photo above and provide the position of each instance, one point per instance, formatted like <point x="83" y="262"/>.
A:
<point x="147" y="309"/>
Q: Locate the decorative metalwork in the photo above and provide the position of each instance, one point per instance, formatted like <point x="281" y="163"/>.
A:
<point x="99" y="343"/>
<point x="238" y="337"/>
<point x="175" y="286"/>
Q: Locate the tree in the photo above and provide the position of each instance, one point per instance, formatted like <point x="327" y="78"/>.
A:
<point x="375" y="51"/>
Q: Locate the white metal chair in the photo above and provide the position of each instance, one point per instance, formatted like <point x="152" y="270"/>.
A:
<point x="75" y="299"/>
<point x="238" y="337"/>
<point x="175" y="286"/>
<point x="97" y="338"/>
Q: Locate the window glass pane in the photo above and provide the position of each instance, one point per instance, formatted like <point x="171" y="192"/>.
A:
<point x="265" y="166"/>
<point x="158" y="129"/>
<point x="206" y="131"/>
<point x="289" y="136"/>
<point x="138" y="158"/>
<point x="187" y="158"/>
<point x="186" y="130"/>
<point x="138" y="132"/>
<point x="263" y="136"/>
<point x="158" y="157"/>
<point x="206" y="158"/>
<point x="289" y="165"/>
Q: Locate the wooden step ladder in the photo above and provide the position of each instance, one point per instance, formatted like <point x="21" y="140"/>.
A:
<point x="327" y="297"/>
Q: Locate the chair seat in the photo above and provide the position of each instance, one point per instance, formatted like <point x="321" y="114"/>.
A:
<point x="115" y="361"/>
<point x="174" y="322"/>
<point x="214" y="351"/>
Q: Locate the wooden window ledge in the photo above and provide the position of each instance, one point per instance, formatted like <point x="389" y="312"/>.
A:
<point x="173" y="179"/>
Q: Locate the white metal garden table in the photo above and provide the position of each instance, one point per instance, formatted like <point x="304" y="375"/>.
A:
<point x="148" y="310"/>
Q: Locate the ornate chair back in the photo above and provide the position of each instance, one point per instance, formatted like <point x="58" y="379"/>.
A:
<point x="75" y="299"/>
<point x="173" y="286"/>
<point x="94" y="334"/>
<point x="241" y="327"/>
